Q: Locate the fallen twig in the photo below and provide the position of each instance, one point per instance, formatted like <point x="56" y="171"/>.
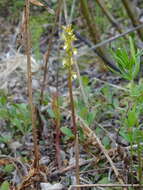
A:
<point x="62" y="171"/>
<point x="93" y="47"/>
<point x="105" y="185"/>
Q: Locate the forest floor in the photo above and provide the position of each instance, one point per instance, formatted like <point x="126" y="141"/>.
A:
<point x="16" y="145"/>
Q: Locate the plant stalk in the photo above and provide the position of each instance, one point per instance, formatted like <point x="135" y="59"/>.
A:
<point x="73" y="121"/>
<point x="33" y="117"/>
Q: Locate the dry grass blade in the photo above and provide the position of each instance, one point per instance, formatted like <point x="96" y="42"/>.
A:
<point x="85" y="97"/>
<point x="65" y="12"/>
<point x="72" y="11"/>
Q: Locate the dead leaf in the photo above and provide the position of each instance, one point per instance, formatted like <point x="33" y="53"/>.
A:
<point x="35" y="2"/>
<point x="38" y="3"/>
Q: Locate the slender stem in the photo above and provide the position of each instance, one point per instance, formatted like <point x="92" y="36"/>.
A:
<point x="28" y="52"/>
<point x="77" y="161"/>
<point x="71" y="97"/>
<point x="73" y="121"/>
<point x="69" y="37"/>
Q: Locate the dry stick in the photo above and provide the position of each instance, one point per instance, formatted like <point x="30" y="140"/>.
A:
<point x="115" y="37"/>
<point x="132" y="13"/>
<point x="47" y="55"/>
<point x="112" y="85"/>
<point x="89" y="132"/>
<point x="68" y="168"/>
<point x="28" y="52"/>
<point x="105" y="185"/>
<point x="113" y="21"/>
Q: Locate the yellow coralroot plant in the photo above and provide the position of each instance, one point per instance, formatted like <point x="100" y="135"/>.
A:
<point x="68" y="62"/>
<point x="70" y="51"/>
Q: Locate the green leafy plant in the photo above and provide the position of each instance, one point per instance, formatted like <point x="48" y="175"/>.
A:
<point x="20" y="117"/>
<point x="5" y="139"/>
<point x="84" y="113"/>
<point x="8" y="168"/>
<point x="17" y="116"/>
<point x="129" y="67"/>
<point x="67" y="132"/>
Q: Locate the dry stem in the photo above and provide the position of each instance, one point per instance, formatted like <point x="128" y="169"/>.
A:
<point x="28" y="52"/>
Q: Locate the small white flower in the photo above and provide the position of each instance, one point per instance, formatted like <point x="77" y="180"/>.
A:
<point x="74" y="76"/>
<point x="75" y="51"/>
<point x="65" y="47"/>
<point x="70" y="33"/>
